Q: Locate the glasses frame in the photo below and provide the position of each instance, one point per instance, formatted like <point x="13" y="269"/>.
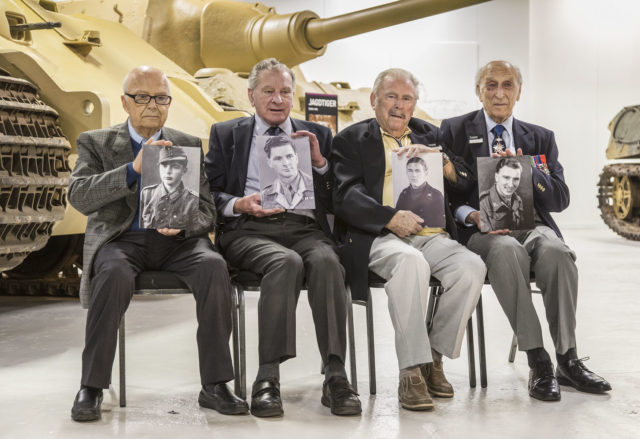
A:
<point x="155" y="98"/>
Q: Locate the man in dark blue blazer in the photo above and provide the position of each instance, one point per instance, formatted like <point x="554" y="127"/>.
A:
<point x="396" y="245"/>
<point x="286" y="247"/>
<point x="511" y="255"/>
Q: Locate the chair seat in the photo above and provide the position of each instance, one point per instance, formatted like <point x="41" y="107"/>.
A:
<point x="158" y="281"/>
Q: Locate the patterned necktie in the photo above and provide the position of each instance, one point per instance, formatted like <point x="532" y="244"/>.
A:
<point x="498" y="143"/>
<point x="273" y="131"/>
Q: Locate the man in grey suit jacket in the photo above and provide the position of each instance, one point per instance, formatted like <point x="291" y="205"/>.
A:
<point x="511" y="255"/>
<point x="105" y="186"/>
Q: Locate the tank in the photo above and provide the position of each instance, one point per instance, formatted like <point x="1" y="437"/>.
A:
<point x="61" y="67"/>
<point x="619" y="184"/>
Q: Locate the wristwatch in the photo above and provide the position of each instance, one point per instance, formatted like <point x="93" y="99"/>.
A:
<point x="445" y="159"/>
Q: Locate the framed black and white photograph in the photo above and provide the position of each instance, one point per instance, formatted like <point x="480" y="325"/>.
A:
<point x="286" y="179"/>
<point x="506" y="193"/>
<point x="418" y="186"/>
<point x="170" y="183"/>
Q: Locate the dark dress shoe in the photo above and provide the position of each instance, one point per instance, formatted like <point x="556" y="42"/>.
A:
<point x="219" y="397"/>
<point x="86" y="406"/>
<point x="265" y="399"/>
<point x="575" y="374"/>
<point x="543" y="384"/>
<point x="338" y="394"/>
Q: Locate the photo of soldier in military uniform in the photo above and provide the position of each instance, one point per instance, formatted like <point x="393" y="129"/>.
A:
<point x="285" y="172"/>
<point x="506" y="193"/>
<point x="418" y="187"/>
<point x="169" y="198"/>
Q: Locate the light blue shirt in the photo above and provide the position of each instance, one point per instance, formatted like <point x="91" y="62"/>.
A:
<point x="252" y="184"/>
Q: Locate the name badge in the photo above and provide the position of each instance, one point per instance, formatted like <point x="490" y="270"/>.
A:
<point x="475" y="139"/>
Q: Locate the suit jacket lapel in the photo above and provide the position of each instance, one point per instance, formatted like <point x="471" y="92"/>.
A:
<point x="523" y="138"/>
<point x="121" y="148"/>
<point x="373" y="149"/>
<point x="477" y="127"/>
<point x="242" y="134"/>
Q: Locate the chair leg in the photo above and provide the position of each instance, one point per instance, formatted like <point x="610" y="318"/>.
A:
<point x="235" y="337"/>
<point x="123" y="378"/>
<point x="481" y="346"/>
<point x="472" y="356"/>
<point x="371" y="348"/>
<point x="514" y="347"/>
<point x="352" y="346"/>
<point x="243" y="346"/>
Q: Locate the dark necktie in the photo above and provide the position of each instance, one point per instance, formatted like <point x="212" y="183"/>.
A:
<point x="498" y="142"/>
<point x="273" y="131"/>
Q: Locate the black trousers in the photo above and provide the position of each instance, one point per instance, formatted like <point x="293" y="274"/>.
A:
<point x="287" y="250"/>
<point x="195" y="262"/>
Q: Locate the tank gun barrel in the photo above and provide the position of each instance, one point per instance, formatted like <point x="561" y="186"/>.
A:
<point x="321" y="31"/>
<point x="234" y="35"/>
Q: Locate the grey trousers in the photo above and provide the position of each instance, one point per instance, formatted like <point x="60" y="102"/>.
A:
<point x="407" y="264"/>
<point x="195" y="262"/>
<point x="287" y="252"/>
<point x="510" y="259"/>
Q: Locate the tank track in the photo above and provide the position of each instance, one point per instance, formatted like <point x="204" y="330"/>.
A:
<point x="628" y="229"/>
<point x="34" y="171"/>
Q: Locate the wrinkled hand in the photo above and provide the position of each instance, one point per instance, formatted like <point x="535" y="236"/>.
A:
<point x="251" y="205"/>
<point x="168" y="232"/>
<point x="405" y="223"/>
<point x="507" y="153"/>
<point x="474" y="217"/>
<point x="415" y="149"/>
<point x="317" y="159"/>
<point x="137" y="162"/>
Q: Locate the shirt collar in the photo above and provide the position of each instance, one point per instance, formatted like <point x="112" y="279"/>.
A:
<point x="138" y="138"/>
<point x="260" y="128"/>
<point x="407" y="131"/>
<point x="507" y="124"/>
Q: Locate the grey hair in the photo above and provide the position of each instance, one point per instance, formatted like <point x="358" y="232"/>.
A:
<point x="396" y="74"/>
<point x="140" y="70"/>
<point x="267" y="65"/>
<point x="482" y="72"/>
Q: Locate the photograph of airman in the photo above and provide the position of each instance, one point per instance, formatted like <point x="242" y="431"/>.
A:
<point x="506" y="193"/>
<point x="285" y="173"/>
<point x="418" y="185"/>
<point x="169" y="196"/>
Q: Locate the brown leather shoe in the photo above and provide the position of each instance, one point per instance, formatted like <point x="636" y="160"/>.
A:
<point x="436" y="381"/>
<point x="413" y="393"/>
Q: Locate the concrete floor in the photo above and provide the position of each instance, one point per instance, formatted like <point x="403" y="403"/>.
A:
<point x="41" y="341"/>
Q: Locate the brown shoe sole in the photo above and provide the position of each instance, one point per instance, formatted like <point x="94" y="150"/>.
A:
<point x="423" y="406"/>
<point x="439" y="394"/>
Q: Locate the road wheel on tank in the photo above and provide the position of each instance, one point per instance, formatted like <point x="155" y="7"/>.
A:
<point x="619" y="199"/>
<point x="34" y="171"/>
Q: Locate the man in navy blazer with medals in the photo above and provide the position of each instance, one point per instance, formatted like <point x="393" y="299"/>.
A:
<point x="285" y="247"/>
<point x="511" y="255"/>
<point x="396" y="244"/>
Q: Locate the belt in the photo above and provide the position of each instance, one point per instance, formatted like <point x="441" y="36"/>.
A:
<point x="285" y="216"/>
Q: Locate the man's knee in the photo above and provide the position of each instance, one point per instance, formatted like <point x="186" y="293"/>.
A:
<point x="285" y="260"/>
<point x="323" y="259"/>
<point x="507" y="253"/>
<point x="556" y="253"/>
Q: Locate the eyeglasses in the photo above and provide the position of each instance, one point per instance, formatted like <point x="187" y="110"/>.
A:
<point x="145" y="99"/>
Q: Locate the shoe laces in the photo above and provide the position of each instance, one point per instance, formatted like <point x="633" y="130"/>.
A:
<point x="342" y="389"/>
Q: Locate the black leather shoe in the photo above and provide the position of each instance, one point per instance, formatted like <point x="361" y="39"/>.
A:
<point x="575" y="374"/>
<point x="86" y="406"/>
<point x="543" y="384"/>
<point x="338" y="394"/>
<point x="219" y="397"/>
<point x="265" y="399"/>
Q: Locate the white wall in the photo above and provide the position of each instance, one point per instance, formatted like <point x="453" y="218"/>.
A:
<point x="579" y="59"/>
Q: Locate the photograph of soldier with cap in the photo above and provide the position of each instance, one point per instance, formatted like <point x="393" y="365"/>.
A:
<point x="170" y="187"/>
<point x="506" y="193"/>
<point x="285" y="172"/>
<point x="417" y="186"/>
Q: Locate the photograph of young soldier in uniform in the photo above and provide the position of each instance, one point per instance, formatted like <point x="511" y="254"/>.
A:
<point x="506" y="193"/>
<point x="170" y="178"/>
<point x="285" y="172"/>
<point x="418" y="186"/>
